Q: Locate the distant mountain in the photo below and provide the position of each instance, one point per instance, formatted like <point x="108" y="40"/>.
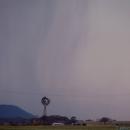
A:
<point x="11" y="111"/>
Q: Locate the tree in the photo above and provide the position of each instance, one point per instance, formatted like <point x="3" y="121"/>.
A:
<point x="73" y="119"/>
<point x="104" y="120"/>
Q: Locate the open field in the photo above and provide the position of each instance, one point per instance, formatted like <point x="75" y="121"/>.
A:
<point x="60" y="128"/>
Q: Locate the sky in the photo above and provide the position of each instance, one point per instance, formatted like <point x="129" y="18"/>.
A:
<point x="75" y="52"/>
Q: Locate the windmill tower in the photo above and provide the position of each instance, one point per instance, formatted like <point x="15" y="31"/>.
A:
<point x="45" y="101"/>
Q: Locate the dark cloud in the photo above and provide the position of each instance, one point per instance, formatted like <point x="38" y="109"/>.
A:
<point x="75" y="52"/>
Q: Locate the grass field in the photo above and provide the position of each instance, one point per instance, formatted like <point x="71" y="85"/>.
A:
<point x="60" y="128"/>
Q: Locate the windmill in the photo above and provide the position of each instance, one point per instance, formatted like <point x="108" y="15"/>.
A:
<point x="45" y="101"/>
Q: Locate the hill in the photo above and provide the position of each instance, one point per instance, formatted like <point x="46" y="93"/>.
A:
<point x="11" y="111"/>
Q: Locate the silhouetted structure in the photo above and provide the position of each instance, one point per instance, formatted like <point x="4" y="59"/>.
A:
<point x="45" y="101"/>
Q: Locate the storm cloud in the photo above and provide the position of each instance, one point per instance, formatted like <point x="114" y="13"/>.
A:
<point x="76" y="52"/>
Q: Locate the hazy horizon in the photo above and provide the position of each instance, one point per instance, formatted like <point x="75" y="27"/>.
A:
<point x="75" y="52"/>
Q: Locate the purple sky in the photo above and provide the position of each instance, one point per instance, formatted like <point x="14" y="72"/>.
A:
<point x="76" y="52"/>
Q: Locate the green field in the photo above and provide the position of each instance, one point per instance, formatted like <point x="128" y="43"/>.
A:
<point x="60" y="128"/>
